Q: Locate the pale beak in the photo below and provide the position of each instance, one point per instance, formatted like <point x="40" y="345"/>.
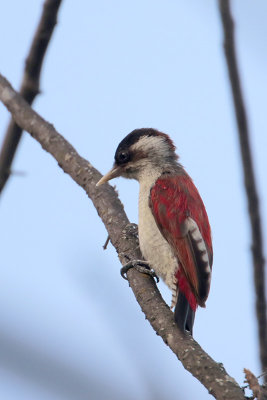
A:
<point x="113" y="173"/>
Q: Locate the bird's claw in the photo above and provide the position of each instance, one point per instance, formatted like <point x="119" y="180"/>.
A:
<point x="141" y="266"/>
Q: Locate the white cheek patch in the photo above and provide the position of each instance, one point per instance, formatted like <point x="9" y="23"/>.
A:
<point x="155" y="144"/>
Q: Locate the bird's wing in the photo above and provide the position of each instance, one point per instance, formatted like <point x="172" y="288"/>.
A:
<point x="182" y="219"/>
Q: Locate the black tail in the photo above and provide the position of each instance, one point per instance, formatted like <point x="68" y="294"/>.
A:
<point x="183" y="314"/>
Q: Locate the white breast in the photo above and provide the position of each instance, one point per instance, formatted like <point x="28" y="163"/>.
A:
<point x="154" y="247"/>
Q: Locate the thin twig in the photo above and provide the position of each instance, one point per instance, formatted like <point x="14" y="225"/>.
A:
<point x="106" y="243"/>
<point x="261" y="375"/>
<point x="124" y="238"/>
<point x="249" y="178"/>
<point x="30" y="83"/>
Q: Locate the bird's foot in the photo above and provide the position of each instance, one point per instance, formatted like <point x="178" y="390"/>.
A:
<point x="141" y="266"/>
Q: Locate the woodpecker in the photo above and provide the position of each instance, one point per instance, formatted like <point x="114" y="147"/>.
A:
<point x="174" y="230"/>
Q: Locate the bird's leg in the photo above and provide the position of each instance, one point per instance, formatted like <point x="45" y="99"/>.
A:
<point x="141" y="266"/>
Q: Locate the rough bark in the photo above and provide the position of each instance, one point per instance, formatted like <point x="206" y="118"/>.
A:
<point x="124" y="238"/>
<point x="249" y="178"/>
<point x="30" y="83"/>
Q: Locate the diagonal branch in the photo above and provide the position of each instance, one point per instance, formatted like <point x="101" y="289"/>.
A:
<point x="124" y="238"/>
<point x="249" y="178"/>
<point x="30" y="83"/>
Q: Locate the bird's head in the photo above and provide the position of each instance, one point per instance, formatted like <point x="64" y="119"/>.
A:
<point x="140" y="152"/>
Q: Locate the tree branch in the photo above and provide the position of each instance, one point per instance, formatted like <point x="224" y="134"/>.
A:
<point x="124" y="238"/>
<point x="30" y="83"/>
<point x="249" y="178"/>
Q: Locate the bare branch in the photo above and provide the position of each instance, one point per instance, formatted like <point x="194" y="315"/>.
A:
<point x="249" y="178"/>
<point x="124" y="238"/>
<point x="252" y="382"/>
<point x="30" y="83"/>
<point x="259" y="392"/>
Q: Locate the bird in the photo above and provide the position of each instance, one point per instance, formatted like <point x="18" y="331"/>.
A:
<point x="173" y="225"/>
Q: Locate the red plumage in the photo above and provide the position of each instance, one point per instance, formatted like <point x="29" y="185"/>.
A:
<point x="176" y="203"/>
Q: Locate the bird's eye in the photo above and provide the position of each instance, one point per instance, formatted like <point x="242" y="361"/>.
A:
<point x="123" y="157"/>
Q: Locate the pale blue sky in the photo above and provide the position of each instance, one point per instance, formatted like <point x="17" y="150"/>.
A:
<point x="68" y="320"/>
